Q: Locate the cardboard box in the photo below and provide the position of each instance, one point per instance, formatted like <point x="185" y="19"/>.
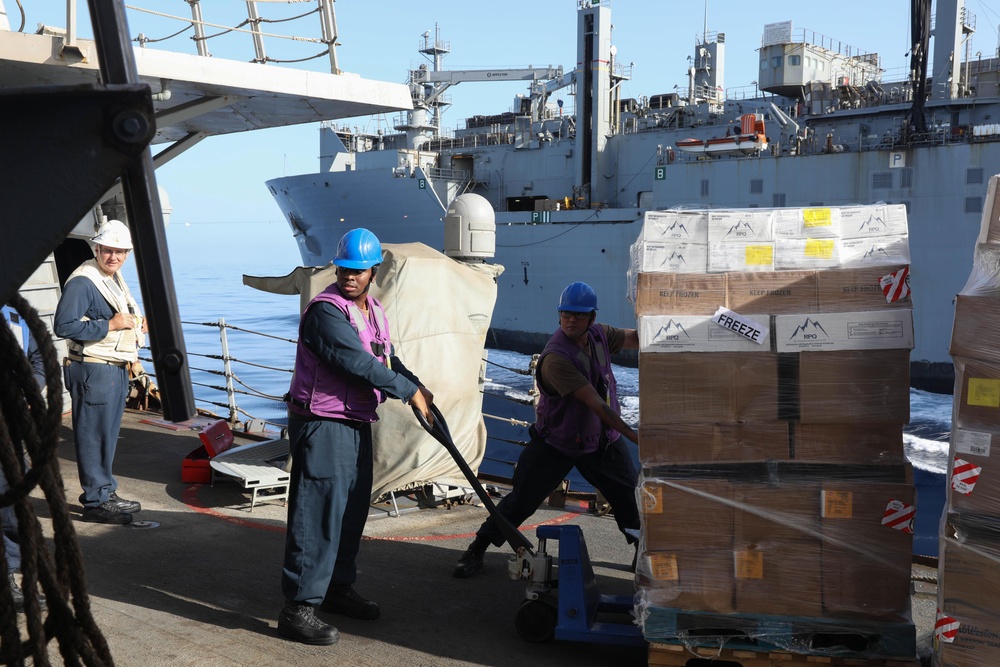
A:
<point x="867" y="386"/>
<point x="695" y="333"/>
<point x="713" y="443"/>
<point x="739" y="225"/>
<point x="776" y="292"/>
<point x="805" y="223"/>
<point x="699" y="387"/>
<point x="665" y="257"/>
<point x="975" y="333"/>
<point x="699" y="579"/>
<point x="875" y="251"/>
<point x="969" y="595"/>
<point x="778" y="578"/>
<point x="675" y="226"/>
<point x="851" y="290"/>
<point x="847" y="443"/>
<point x="686" y="513"/>
<point x="872" y="220"/>
<point x="867" y="548"/>
<point x="865" y="330"/>
<point x="679" y="293"/>
<point x="977" y="388"/>
<point x="806" y="254"/>
<point x="974" y="472"/>
<point x="750" y="256"/>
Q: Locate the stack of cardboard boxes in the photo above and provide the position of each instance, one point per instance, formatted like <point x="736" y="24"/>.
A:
<point x="968" y="624"/>
<point x="773" y="389"/>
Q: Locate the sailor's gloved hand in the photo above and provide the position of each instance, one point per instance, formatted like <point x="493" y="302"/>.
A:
<point x="422" y="401"/>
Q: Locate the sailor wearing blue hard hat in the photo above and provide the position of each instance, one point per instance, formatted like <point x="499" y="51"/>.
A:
<point x="577" y="423"/>
<point x="344" y="368"/>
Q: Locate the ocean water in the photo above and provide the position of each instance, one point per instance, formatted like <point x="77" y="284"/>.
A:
<point x="209" y="261"/>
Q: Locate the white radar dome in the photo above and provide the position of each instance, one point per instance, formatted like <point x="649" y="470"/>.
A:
<point x="470" y="228"/>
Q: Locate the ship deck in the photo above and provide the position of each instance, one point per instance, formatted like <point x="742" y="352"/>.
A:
<point x="201" y="586"/>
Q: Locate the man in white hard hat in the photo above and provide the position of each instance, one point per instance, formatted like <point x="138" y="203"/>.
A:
<point x="101" y="324"/>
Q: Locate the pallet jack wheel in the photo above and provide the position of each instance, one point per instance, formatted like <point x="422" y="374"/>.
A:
<point x="535" y="621"/>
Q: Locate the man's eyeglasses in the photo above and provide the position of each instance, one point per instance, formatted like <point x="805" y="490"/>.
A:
<point x="111" y="252"/>
<point x="573" y="316"/>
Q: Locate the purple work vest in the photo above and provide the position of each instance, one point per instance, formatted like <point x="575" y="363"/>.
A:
<point x="325" y="392"/>
<point x="564" y="422"/>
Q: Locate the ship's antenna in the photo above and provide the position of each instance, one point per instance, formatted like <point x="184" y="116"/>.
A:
<point x="704" y="34"/>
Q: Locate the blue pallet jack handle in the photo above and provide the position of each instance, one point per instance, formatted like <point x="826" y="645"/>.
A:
<point x="580" y="600"/>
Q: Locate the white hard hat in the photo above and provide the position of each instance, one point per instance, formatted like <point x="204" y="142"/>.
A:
<point x="113" y="234"/>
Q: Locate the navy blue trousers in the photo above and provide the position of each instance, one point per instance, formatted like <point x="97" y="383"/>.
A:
<point x="329" y="495"/>
<point x="98" y="393"/>
<point x="11" y="539"/>
<point x="541" y="468"/>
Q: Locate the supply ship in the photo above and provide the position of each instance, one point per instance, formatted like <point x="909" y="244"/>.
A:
<point x="822" y="127"/>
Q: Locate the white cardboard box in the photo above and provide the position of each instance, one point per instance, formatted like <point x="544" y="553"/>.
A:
<point x="739" y="225"/>
<point x="803" y="223"/>
<point x="694" y="333"/>
<point x="743" y="257"/>
<point x="675" y="226"/>
<point x="814" y="253"/>
<point x="874" y="220"/>
<point x="874" y="251"/>
<point x="665" y="257"/>
<point x="865" y="330"/>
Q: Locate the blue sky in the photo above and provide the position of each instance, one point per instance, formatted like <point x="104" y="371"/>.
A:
<point x="222" y="179"/>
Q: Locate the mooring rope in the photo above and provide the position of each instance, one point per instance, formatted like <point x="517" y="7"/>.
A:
<point x="29" y="436"/>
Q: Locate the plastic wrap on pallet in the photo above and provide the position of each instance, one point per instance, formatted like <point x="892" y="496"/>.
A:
<point x="966" y="632"/>
<point x="784" y="554"/>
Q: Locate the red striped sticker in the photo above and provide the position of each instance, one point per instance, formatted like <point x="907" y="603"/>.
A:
<point x="899" y="516"/>
<point x="964" y="476"/>
<point x="946" y="628"/>
<point x="896" y="285"/>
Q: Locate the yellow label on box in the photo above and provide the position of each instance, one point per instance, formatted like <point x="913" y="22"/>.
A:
<point x="652" y="499"/>
<point x="984" y="392"/>
<point x="758" y="255"/>
<point x="838" y="504"/>
<point x="819" y="248"/>
<point x="750" y="564"/>
<point x="663" y="567"/>
<point x="817" y="217"/>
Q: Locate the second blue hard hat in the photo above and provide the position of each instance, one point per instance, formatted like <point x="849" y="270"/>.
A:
<point x="578" y="298"/>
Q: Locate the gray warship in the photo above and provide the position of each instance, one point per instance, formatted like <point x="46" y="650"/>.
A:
<point x="822" y="128"/>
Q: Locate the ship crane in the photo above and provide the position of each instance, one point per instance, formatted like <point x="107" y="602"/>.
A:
<point x="444" y="79"/>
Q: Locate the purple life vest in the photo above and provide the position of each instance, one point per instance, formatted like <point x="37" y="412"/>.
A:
<point x="565" y="422"/>
<point x="326" y="393"/>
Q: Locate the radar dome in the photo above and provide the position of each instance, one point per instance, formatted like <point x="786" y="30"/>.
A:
<point x="470" y="228"/>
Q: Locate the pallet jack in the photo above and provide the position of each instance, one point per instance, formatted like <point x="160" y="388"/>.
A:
<point x="562" y="600"/>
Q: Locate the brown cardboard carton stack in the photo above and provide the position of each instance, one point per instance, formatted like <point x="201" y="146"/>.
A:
<point x="774" y="480"/>
<point x="968" y="625"/>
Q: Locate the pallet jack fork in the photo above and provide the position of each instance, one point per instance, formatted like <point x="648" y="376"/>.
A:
<point x="563" y="600"/>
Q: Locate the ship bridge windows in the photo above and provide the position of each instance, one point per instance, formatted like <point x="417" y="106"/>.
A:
<point x="756" y="186"/>
<point x="794" y="60"/>
<point x="973" y="204"/>
<point x="974" y="176"/>
<point x="882" y="180"/>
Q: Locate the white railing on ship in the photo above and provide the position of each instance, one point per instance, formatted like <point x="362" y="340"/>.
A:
<point x="205" y="29"/>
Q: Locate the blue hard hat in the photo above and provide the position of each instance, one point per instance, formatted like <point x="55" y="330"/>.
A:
<point x="358" y="249"/>
<point x="578" y="298"/>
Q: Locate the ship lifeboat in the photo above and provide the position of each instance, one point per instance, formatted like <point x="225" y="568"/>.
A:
<point x="750" y="139"/>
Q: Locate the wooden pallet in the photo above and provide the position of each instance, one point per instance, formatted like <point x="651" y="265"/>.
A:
<point x="678" y="655"/>
<point x="828" y="637"/>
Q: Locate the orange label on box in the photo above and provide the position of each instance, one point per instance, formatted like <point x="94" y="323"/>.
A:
<point x="819" y="248"/>
<point x="837" y="504"/>
<point x="750" y="564"/>
<point x="984" y="392"/>
<point x="757" y="255"/>
<point x="663" y="567"/>
<point x="817" y="217"/>
<point x="652" y="499"/>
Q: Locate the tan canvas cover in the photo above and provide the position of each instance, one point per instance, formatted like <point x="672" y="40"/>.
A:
<point x="439" y="311"/>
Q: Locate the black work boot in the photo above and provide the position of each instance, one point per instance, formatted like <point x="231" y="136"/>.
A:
<point x="345" y="600"/>
<point x="298" y="622"/>
<point x="472" y="560"/>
